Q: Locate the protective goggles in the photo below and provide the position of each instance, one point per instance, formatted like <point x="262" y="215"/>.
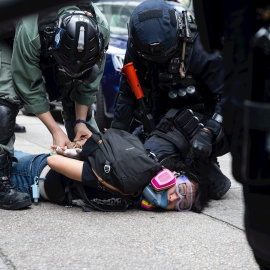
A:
<point x="183" y="189"/>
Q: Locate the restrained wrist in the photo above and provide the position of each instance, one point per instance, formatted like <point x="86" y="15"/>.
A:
<point x="81" y="121"/>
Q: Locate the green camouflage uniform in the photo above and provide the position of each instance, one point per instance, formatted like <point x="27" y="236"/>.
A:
<point x="28" y="88"/>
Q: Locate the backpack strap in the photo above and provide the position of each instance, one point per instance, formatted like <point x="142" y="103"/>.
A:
<point x="90" y="205"/>
<point x="97" y="138"/>
<point x="134" y="194"/>
<point x="89" y="147"/>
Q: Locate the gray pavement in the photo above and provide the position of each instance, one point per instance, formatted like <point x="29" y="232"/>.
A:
<point x="49" y="236"/>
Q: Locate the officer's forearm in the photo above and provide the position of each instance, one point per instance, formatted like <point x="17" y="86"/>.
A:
<point x="49" y="122"/>
<point x="81" y="111"/>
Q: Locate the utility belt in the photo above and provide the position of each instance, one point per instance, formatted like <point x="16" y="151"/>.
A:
<point x="179" y="127"/>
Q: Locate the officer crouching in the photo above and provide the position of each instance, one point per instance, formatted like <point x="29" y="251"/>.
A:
<point x="181" y="90"/>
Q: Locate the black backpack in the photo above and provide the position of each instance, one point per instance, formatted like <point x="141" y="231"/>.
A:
<point x="122" y="167"/>
<point x="120" y="162"/>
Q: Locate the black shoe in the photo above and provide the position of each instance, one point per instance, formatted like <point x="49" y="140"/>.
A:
<point x="11" y="198"/>
<point x="19" y="129"/>
<point x="219" y="183"/>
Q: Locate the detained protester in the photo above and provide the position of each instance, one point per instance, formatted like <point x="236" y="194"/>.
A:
<point x="174" y="77"/>
<point x="60" y="55"/>
<point x="63" y="180"/>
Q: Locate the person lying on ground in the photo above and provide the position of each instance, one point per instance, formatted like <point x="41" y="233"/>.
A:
<point x="62" y="180"/>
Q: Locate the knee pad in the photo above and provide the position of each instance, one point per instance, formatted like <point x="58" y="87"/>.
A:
<point x="8" y="114"/>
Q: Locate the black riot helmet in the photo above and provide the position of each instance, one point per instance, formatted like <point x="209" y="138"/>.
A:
<point x="78" y="44"/>
<point x="154" y="30"/>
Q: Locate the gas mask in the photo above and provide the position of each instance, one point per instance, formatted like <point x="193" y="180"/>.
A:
<point x="156" y="193"/>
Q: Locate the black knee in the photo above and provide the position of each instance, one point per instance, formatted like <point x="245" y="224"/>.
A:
<point x="8" y="112"/>
<point x="5" y="164"/>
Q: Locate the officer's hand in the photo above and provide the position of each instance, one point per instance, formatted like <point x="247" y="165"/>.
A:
<point x="61" y="139"/>
<point x="80" y="143"/>
<point x="201" y="146"/>
<point x="81" y="132"/>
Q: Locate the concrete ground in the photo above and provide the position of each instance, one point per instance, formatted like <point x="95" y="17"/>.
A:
<point x="48" y="236"/>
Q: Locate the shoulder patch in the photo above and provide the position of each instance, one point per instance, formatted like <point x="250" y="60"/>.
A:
<point x="57" y="38"/>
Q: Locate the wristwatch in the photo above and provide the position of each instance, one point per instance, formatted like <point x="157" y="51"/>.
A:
<point x="217" y="117"/>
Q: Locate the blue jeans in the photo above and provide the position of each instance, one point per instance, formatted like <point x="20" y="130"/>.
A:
<point x="26" y="169"/>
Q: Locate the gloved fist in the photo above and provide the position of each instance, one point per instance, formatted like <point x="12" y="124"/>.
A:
<point x="201" y="146"/>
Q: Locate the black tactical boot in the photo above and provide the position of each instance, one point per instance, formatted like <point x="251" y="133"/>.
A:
<point x="10" y="197"/>
<point x="19" y="129"/>
<point x="219" y="183"/>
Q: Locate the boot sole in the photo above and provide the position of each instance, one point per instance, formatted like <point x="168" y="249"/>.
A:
<point x="17" y="205"/>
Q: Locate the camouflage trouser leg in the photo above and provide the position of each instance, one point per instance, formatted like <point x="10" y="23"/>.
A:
<point x="7" y="92"/>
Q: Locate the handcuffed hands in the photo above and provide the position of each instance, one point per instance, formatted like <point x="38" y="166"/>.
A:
<point x="64" y="151"/>
<point x="71" y="153"/>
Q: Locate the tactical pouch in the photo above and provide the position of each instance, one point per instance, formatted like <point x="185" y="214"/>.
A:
<point x="166" y="123"/>
<point x="179" y="127"/>
<point x="188" y="123"/>
<point x="184" y="121"/>
<point x="183" y="118"/>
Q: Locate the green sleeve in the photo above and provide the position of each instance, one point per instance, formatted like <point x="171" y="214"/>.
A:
<point x="26" y="73"/>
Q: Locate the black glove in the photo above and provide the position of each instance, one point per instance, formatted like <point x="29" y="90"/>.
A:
<point x="201" y="146"/>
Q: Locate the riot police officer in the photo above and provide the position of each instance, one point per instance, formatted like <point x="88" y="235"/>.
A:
<point x="60" y="55"/>
<point x="242" y="32"/>
<point x="176" y="76"/>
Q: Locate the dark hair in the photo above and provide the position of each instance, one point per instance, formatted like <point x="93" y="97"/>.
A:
<point x="202" y="195"/>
